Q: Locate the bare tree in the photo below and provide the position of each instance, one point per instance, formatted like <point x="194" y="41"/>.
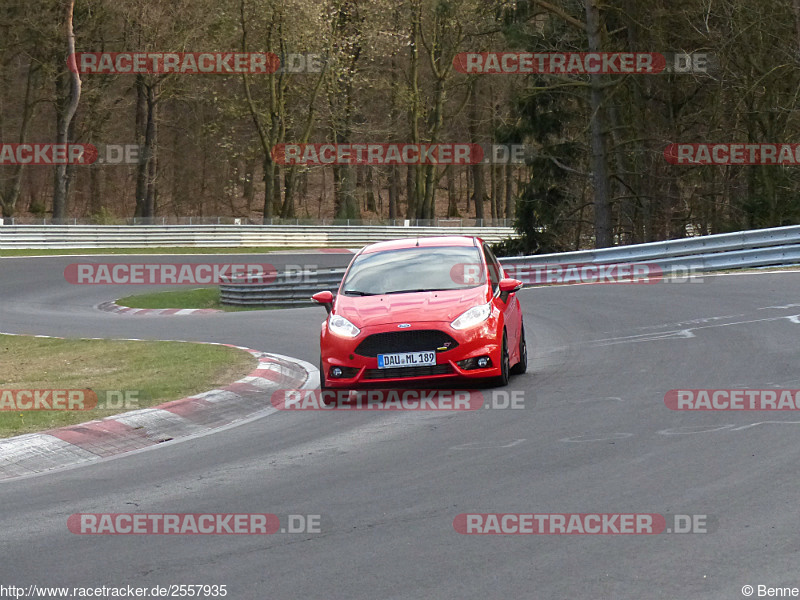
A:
<point x="68" y="94"/>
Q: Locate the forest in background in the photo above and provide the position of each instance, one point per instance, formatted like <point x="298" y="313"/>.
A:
<point x="598" y="175"/>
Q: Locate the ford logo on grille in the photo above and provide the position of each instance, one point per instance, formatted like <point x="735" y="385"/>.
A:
<point x="404" y="325"/>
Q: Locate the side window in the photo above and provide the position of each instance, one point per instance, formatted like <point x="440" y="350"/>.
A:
<point x="495" y="271"/>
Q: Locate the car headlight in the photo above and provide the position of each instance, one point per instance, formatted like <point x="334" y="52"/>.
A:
<point x="343" y="327"/>
<point x="474" y="316"/>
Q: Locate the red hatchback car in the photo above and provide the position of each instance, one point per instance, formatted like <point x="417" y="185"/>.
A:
<point x="417" y="310"/>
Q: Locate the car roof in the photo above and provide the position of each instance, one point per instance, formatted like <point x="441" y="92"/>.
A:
<point x="424" y="242"/>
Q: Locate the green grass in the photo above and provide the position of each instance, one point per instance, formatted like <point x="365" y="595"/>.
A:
<point x="207" y="297"/>
<point x="160" y="371"/>
<point x="149" y="250"/>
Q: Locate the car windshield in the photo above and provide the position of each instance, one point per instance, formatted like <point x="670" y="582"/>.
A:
<point x="415" y="269"/>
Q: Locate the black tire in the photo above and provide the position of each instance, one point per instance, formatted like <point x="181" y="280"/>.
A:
<point x="522" y="366"/>
<point x="324" y="388"/>
<point x="505" y="367"/>
<point x="322" y="385"/>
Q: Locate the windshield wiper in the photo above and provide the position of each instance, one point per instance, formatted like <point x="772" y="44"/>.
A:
<point x="415" y="291"/>
<point x="358" y="293"/>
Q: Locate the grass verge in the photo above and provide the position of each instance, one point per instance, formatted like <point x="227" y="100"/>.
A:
<point x="207" y="297"/>
<point x="160" y="371"/>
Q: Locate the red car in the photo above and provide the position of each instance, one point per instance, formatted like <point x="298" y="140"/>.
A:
<point x="417" y="310"/>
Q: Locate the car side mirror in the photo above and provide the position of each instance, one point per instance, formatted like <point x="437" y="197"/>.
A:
<point x="324" y="298"/>
<point x="508" y="287"/>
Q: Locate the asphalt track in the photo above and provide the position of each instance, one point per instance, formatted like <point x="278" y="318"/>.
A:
<point x="594" y="436"/>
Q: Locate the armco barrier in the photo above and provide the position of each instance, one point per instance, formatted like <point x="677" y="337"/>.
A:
<point x="759" y="248"/>
<point x="222" y="236"/>
<point x="288" y="289"/>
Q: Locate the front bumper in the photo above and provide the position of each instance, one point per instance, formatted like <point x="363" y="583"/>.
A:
<point x="357" y="358"/>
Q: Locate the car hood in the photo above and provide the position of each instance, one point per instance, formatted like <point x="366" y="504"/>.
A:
<point x="367" y="311"/>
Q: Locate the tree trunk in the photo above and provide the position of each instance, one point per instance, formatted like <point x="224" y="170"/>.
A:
<point x="510" y="203"/>
<point x="428" y="207"/>
<point x="394" y="190"/>
<point x="602" y="212"/>
<point x="289" y="178"/>
<point x="152" y="147"/>
<point x="147" y="138"/>
<point x="796" y="7"/>
<point x="452" y="199"/>
<point x="411" y="192"/>
<point x="477" y="169"/>
<point x="269" y="184"/>
<point x="346" y="187"/>
<point x="10" y="195"/>
<point x="479" y="192"/>
<point x="369" y="181"/>
<point x="248" y="185"/>
<point x="493" y="188"/>
<point x="68" y="94"/>
<point x="414" y="180"/>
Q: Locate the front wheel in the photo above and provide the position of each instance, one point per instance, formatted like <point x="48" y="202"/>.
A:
<point x="502" y="380"/>
<point x="522" y="365"/>
<point x="322" y="385"/>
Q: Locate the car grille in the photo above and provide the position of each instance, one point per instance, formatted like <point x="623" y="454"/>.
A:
<point x="404" y="372"/>
<point x="423" y="340"/>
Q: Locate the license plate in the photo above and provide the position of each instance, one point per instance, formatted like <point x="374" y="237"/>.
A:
<point x="406" y="359"/>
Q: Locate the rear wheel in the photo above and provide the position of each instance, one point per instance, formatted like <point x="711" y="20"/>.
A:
<point x="505" y="369"/>
<point x="522" y="365"/>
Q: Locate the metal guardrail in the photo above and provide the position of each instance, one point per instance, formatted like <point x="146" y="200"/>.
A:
<point x="222" y="236"/>
<point x="288" y="289"/>
<point x="758" y="248"/>
<point x="171" y="220"/>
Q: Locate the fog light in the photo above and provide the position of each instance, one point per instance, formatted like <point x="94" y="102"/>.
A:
<point x="342" y="372"/>
<point x="470" y="364"/>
